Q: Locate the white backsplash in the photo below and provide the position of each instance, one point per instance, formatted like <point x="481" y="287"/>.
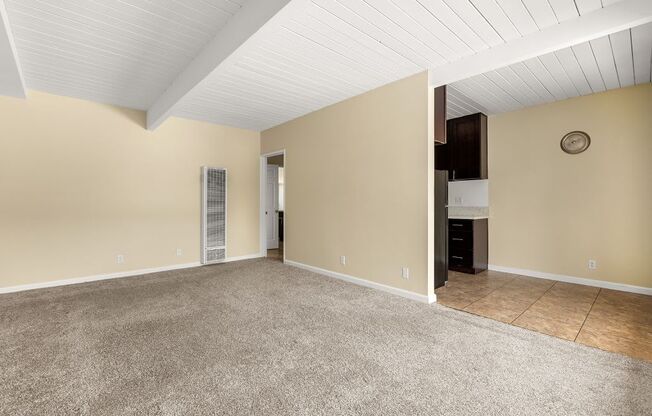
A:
<point x="468" y="193"/>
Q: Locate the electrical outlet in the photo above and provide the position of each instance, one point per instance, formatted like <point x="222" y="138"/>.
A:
<point x="343" y="260"/>
<point x="593" y="264"/>
<point x="119" y="259"/>
<point x="405" y="273"/>
<point x="459" y="200"/>
<point x="179" y="252"/>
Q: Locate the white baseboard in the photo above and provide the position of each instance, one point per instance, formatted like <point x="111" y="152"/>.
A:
<point x="367" y="283"/>
<point x="245" y="257"/>
<point x="117" y="275"/>
<point x="572" y="279"/>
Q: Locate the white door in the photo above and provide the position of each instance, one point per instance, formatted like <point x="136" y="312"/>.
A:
<point x="271" y="206"/>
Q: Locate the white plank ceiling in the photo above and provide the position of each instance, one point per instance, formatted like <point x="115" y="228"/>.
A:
<point x="618" y="60"/>
<point x="128" y="52"/>
<point x="123" y="52"/>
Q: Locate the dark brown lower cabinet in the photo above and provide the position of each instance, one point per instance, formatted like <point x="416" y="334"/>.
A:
<point x="468" y="245"/>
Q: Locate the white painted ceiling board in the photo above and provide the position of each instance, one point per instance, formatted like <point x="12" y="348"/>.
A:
<point x="414" y="18"/>
<point x="564" y="9"/>
<point x="572" y="67"/>
<point x="602" y="64"/>
<point x="367" y="58"/>
<point x="340" y="30"/>
<point x="556" y="70"/>
<point x="606" y="62"/>
<point x="406" y="50"/>
<point x="642" y="51"/>
<point x="501" y="89"/>
<point x="604" y="21"/>
<point x="433" y="48"/>
<point x="542" y="74"/>
<point x="497" y="18"/>
<point x="584" y="55"/>
<point x="445" y="14"/>
<point x="519" y="16"/>
<point x="12" y="82"/>
<point x="467" y="105"/>
<point x="486" y="99"/>
<point x="621" y="46"/>
<point x="120" y="52"/>
<point x="503" y="98"/>
<point x="252" y="24"/>
<point x="476" y="21"/>
<point x="133" y="52"/>
<point x="542" y="12"/>
<point x="513" y="85"/>
<point x="524" y="73"/>
<point x="586" y="6"/>
<point x="341" y="65"/>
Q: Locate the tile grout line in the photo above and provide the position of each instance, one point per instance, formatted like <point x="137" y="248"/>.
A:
<point x="479" y="299"/>
<point x="538" y="299"/>
<point x="587" y="314"/>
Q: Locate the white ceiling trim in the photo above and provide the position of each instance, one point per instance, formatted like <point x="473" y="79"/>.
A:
<point x="242" y="26"/>
<point x="12" y="82"/>
<point x="595" y="24"/>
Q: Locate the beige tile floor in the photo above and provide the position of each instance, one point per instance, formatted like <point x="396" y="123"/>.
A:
<point x="607" y="319"/>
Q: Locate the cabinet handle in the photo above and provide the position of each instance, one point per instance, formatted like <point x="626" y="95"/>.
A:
<point x="458" y="257"/>
<point x="453" y="174"/>
<point x="458" y="239"/>
<point x="457" y="225"/>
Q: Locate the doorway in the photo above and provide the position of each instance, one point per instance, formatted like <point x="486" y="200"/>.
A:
<point x="273" y="205"/>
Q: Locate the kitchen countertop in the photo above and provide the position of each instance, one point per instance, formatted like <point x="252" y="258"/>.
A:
<point x="468" y="213"/>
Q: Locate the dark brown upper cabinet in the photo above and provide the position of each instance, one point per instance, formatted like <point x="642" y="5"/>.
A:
<point x="466" y="147"/>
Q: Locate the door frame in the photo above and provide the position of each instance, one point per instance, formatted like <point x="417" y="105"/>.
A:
<point x="263" y="201"/>
<point x="272" y="212"/>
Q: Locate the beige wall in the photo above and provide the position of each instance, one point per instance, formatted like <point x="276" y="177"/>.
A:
<point x="552" y="212"/>
<point x="82" y="182"/>
<point x="356" y="176"/>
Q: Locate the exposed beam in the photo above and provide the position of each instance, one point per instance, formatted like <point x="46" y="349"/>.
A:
<point x="602" y="22"/>
<point x="11" y="77"/>
<point x="247" y="22"/>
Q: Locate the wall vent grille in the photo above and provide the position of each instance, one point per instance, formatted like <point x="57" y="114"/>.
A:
<point x="213" y="215"/>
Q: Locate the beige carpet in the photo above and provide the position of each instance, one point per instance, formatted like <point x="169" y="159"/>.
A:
<point x="259" y="337"/>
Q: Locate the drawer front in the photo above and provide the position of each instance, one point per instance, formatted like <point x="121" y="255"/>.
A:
<point x="460" y="225"/>
<point x="460" y="239"/>
<point x="457" y="257"/>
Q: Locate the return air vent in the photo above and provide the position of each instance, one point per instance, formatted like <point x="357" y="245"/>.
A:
<point x="213" y="241"/>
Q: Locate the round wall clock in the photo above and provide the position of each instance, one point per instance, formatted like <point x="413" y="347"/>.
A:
<point x="575" y="142"/>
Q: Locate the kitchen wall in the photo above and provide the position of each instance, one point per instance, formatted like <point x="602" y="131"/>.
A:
<point x="552" y="212"/>
<point x="82" y="182"/>
<point x="358" y="178"/>
<point x="468" y="193"/>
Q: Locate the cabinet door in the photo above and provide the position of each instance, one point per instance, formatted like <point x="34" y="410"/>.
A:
<point x="450" y="150"/>
<point x="465" y="148"/>
<point x="441" y="157"/>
